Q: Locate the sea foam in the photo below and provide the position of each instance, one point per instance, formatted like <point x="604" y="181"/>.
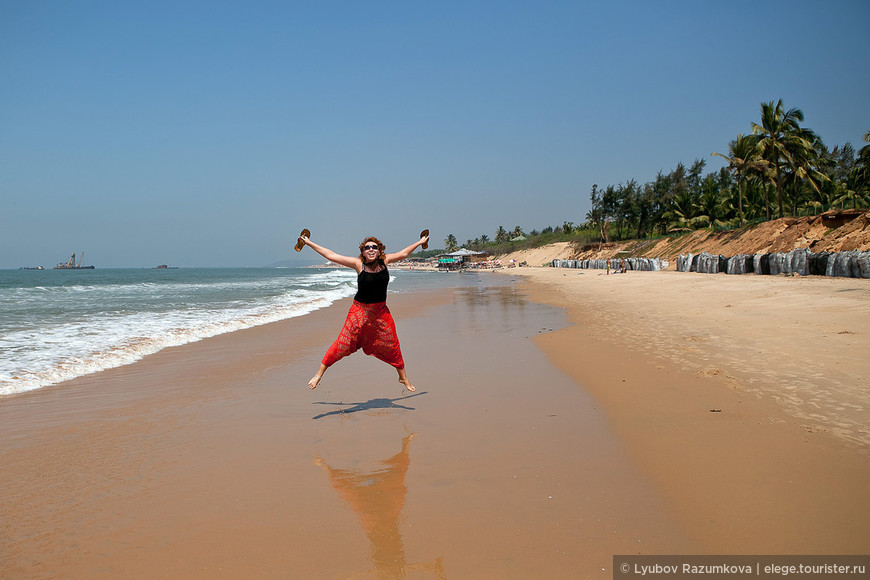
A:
<point x="57" y="331"/>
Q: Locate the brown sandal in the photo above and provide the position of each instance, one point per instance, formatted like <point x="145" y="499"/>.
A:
<point x="423" y="234"/>
<point x="300" y="244"/>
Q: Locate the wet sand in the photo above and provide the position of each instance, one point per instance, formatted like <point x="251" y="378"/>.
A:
<point x="214" y="460"/>
<point x="745" y="398"/>
<point x="532" y="448"/>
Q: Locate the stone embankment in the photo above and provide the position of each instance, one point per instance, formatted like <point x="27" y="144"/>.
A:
<point x="801" y="261"/>
<point x="835" y="243"/>
<point x="642" y="264"/>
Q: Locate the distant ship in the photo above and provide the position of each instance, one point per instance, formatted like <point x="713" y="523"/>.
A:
<point x="71" y="264"/>
<point x="31" y="268"/>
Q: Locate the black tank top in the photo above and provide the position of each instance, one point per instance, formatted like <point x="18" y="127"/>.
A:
<point x="372" y="287"/>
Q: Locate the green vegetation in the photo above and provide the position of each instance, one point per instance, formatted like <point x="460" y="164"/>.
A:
<point x="780" y="167"/>
<point x="516" y="239"/>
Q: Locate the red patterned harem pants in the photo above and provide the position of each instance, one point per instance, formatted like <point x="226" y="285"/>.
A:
<point x="369" y="327"/>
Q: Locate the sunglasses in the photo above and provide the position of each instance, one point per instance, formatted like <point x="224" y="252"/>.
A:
<point x="370" y="248"/>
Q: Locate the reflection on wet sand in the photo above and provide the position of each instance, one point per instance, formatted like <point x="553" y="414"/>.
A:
<point x="378" y="498"/>
<point x="503" y="295"/>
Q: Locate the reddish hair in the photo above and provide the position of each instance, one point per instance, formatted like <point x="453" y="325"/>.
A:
<point x="381" y="249"/>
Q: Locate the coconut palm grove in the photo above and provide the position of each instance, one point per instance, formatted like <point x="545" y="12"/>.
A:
<point x="778" y="168"/>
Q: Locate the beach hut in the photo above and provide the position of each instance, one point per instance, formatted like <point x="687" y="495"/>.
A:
<point x="459" y="259"/>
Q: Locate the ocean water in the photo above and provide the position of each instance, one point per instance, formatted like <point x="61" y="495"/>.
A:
<point x="56" y="325"/>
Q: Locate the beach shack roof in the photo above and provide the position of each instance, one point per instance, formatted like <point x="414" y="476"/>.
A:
<point x="460" y="257"/>
<point x="463" y="252"/>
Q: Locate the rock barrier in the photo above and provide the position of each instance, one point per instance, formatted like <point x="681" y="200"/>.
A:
<point x="637" y="264"/>
<point x="803" y="262"/>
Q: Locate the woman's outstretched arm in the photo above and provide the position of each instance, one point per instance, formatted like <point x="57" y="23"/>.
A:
<point x="402" y="254"/>
<point x="348" y="261"/>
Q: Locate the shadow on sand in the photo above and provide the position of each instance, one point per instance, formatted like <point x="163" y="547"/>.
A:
<point x="367" y="406"/>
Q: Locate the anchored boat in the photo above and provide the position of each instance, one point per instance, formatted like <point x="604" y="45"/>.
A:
<point x="71" y="264"/>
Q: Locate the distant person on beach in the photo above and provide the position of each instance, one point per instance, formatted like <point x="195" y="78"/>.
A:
<point x="369" y="324"/>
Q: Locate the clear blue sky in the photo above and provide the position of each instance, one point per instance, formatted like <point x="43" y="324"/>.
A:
<point x="209" y="133"/>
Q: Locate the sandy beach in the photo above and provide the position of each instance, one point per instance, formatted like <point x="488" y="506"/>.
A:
<point x="560" y="417"/>
<point x="745" y="398"/>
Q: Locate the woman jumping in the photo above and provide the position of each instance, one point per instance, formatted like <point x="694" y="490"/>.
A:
<point x="369" y="324"/>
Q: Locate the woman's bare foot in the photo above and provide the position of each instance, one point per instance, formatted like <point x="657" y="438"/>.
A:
<point x="403" y="378"/>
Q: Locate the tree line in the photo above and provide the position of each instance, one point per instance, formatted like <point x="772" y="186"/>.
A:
<point x="781" y="168"/>
<point x="504" y="240"/>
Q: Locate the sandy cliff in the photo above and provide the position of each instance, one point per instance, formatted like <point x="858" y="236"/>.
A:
<point x="833" y="231"/>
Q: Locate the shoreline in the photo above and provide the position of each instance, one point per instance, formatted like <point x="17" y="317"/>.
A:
<point x="778" y="448"/>
<point x="214" y="459"/>
<point x="515" y="458"/>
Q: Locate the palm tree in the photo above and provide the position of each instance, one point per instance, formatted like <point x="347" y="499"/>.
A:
<point x="755" y="197"/>
<point x="712" y="206"/>
<point x="683" y="213"/>
<point x="782" y="143"/>
<point x="743" y="160"/>
<point x="847" y="194"/>
<point x="856" y="187"/>
<point x="860" y="174"/>
<point x="450" y="243"/>
<point x="501" y="235"/>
